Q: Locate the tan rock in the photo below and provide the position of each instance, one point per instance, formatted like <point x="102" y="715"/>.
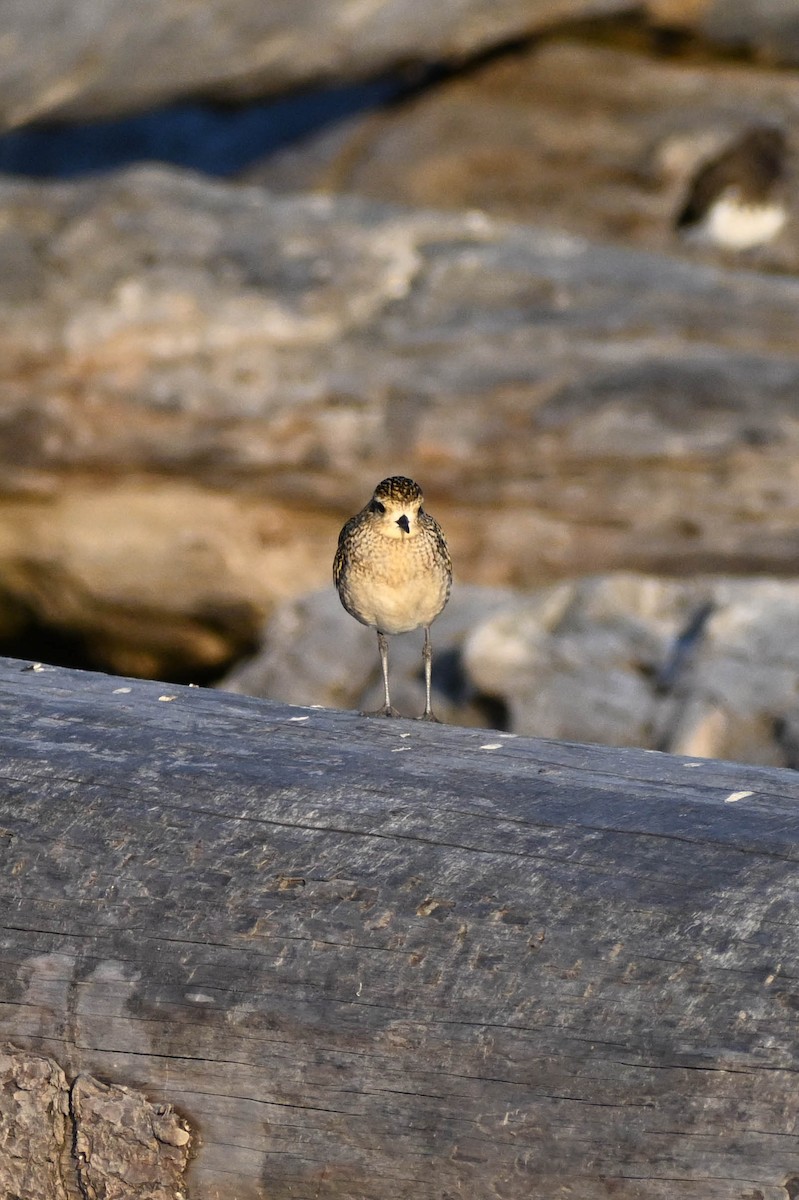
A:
<point x="584" y="138"/>
<point x="77" y="59"/>
<point x="72" y="59"/>
<point x="157" y="576"/>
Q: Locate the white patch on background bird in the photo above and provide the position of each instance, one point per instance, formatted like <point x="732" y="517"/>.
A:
<point x="740" y="226"/>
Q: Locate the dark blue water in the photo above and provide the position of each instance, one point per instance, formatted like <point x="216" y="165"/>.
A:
<point x="209" y="138"/>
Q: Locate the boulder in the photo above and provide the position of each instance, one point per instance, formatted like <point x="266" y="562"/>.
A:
<point x="202" y="381"/>
<point x="584" y="138"/>
<point x="78" y="59"/>
<point x="313" y="652"/>
<point x="70" y="60"/>
<point x="707" y="668"/>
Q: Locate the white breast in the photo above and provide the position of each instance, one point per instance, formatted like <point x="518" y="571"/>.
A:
<point x="398" y="609"/>
<point x="740" y="226"/>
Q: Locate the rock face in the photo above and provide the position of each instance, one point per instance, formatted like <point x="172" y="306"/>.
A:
<point x="77" y="59"/>
<point x="73" y="59"/>
<point x="200" y="382"/>
<point x="583" y="138"/>
<point x="708" y="668"/>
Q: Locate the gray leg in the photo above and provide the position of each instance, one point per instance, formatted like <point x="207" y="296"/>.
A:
<point x="427" y="655"/>
<point x="386" y="710"/>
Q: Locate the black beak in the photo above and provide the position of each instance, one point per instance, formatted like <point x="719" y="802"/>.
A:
<point x="403" y="523"/>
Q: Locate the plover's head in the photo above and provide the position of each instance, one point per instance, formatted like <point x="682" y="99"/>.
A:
<point x="395" y="506"/>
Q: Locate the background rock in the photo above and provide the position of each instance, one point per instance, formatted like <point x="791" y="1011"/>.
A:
<point x="313" y="652"/>
<point x="623" y="660"/>
<point x="73" y="59"/>
<point x="770" y="27"/>
<point x="78" y="59"/>
<point x="704" y="667"/>
<point x="585" y="138"/>
<point x="200" y="382"/>
<point x="85" y="59"/>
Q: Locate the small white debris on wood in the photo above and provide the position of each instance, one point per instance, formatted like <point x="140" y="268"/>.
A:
<point x="121" y="691"/>
<point x="733" y="796"/>
<point x="167" y="697"/>
<point x="200" y="998"/>
<point x="399" y="749"/>
<point x="693" y="764"/>
<point x="37" y="666"/>
<point x="492" y="746"/>
<point x="299" y="718"/>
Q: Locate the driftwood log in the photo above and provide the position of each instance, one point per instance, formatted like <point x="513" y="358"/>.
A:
<point x="385" y="961"/>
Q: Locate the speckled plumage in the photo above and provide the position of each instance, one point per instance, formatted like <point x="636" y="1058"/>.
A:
<point x="392" y="569"/>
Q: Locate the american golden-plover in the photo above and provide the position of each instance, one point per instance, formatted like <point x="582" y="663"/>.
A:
<point x="734" y="200"/>
<point x="393" y="572"/>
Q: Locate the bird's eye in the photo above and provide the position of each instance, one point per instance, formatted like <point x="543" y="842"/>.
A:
<point x="378" y="507"/>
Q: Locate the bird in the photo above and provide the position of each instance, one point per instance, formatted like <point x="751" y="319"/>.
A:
<point x="733" y="199"/>
<point x="393" y="572"/>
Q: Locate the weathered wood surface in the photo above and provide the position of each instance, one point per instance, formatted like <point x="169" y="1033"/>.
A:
<point x="383" y="959"/>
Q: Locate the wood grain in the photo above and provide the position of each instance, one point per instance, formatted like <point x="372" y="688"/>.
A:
<point x="374" y="959"/>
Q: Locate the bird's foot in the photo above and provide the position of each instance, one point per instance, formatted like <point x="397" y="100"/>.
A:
<point x="429" y="715"/>
<point x="387" y="710"/>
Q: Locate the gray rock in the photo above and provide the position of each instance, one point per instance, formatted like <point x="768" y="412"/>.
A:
<point x="201" y="382"/>
<point x="313" y="652"/>
<point x="622" y="660"/>
<point x="504" y="139"/>
<point x="72" y="59"/>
